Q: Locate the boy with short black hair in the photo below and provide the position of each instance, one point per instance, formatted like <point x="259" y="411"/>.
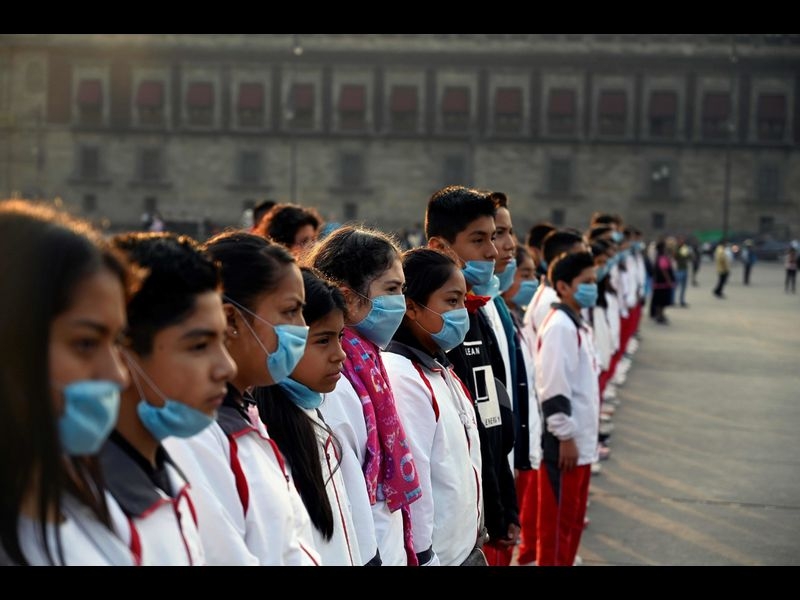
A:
<point x="567" y="387"/>
<point x="461" y="221"/>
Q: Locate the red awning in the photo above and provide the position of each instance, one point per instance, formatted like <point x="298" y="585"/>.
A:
<point x="663" y="104"/>
<point x="200" y="95"/>
<point x="772" y="106"/>
<point x="353" y="98"/>
<point x="404" y="98"/>
<point x="508" y="101"/>
<point x="90" y="92"/>
<point x="562" y="102"/>
<point x="613" y="103"/>
<point x="717" y="105"/>
<point x="150" y="94"/>
<point x="251" y="96"/>
<point x="303" y="96"/>
<point x="456" y="100"/>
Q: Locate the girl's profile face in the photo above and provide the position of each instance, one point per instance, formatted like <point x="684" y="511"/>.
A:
<point x="424" y="321"/>
<point x="283" y="305"/>
<point x="388" y="283"/>
<point x="85" y="338"/>
<point x="321" y="365"/>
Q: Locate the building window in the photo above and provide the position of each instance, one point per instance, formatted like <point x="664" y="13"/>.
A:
<point x="663" y="114"/>
<point x="90" y="101"/>
<point x="352" y="170"/>
<point x="89" y="203"/>
<point x="508" y="110"/>
<point x="301" y="106"/>
<point x="716" y="116"/>
<point x="559" y="177"/>
<point x="766" y="224"/>
<point x="250" y="105"/>
<point x="200" y="103"/>
<point x="150" y="167"/>
<point x="612" y="113"/>
<point x="771" y="117"/>
<point x="150" y="102"/>
<point x="659" y="220"/>
<point x="353" y="107"/>
<point x="455" y="109"/>
<point x="249" y="167"/>
<point x="558" y="217"/>
<point x="660" y="180"/>
<point x="768" y="184"/>
<point x="455" y="170"/>
<point x="350" y="211"/>
<point x="561" y="112"/>
<point x="404" y="108"/>
<point x="89" y="163"/>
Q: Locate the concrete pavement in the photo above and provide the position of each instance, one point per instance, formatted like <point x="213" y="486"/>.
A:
<point x="705" y="461"/>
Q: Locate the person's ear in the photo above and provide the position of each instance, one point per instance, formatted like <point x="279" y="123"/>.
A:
<point x="412" y="309"/>
<point x="231" y="320"/>
<point x="437" y="243"/>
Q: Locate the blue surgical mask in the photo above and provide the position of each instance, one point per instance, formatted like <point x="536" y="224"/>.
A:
<point x="586" y="295"/>
<point x="291" y="345"/>
<point x="302" y="395"/>
<point x="617" y="236"/>
<point x="507" y="277"/>
<point x="383" y="319"/>
<point x="491" y="289"/>
<point x="454" y="328"/>
<point x="527" y="288"/>
<point x="174" y="419"/>
<point x="602" y="271"/>
<point x="90" y="413"/>
<point x="478" y="272"/>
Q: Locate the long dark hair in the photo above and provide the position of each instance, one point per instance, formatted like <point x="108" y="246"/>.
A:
<point x="46" y="254"/>
<point x="250" y="266"/>
<point x="354" y="256"/>
<point x="292" y="429"/>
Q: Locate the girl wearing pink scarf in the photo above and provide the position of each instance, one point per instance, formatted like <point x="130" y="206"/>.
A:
<point x="366" y="266"/>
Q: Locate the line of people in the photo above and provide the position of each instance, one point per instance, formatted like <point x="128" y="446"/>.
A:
<point x="271" y="396"/>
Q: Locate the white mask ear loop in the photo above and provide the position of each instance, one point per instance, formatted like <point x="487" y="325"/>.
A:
<point x="239" y="309"/>
<point x="139" y="371"/>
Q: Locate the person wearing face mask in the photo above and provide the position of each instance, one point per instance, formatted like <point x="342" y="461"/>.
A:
<point x="291" y="411"/>
<point x="61" y="318"/>
<point x="461" y="221"/>
<point x="378" y="465"/>
<point x="248" y="509"/>
<point x="528" y="439"/>
<point x="178" y="366"/>
<point x="437" y="412"/>
<point x="567" y="387"/>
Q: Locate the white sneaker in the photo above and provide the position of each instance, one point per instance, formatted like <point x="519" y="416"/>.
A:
<point x="607" y="409"/>
<point x="578" y="561"/>
<point x="606" y="428"/>
<point x="596" y="468"/>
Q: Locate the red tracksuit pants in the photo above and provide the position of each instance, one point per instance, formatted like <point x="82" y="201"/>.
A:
<point x="562" y="508"/>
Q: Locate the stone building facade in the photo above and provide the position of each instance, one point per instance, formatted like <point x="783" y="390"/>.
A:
<point x="659" y="128"/>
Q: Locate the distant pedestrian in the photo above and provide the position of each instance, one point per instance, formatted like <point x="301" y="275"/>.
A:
<point x="749" y="259"/>
<point x="663" y="283"/>
<point x="723" y="268"/>
<point x="791" y="270"/>
<point x="683" y="256"/>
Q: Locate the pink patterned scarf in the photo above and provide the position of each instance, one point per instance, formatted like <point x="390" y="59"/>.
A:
<point x="388" y="460"/>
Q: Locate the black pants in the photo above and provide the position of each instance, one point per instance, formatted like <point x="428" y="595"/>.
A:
<point x="747" y="267"/>
<point x="791" y="276"/>
<point x="723" y="278"/>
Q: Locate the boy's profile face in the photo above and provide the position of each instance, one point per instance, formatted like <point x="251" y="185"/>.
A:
<point x="566" y="291"/>
<point x="475" y="242"/>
